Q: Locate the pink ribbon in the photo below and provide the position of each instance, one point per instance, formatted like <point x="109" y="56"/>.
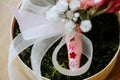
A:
<point x="74" y="47"/>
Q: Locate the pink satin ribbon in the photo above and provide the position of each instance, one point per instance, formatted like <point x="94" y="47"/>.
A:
<point x="75" y="50"/>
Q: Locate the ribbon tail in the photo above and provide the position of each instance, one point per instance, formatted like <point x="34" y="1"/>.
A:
<point x="38" y="51"/>
<point x="16" y="47"/>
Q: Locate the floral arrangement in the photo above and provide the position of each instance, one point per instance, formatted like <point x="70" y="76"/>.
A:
<point x="76" y="15"/>
<point x="80" y="12"/>
<point x="67" y="19"/>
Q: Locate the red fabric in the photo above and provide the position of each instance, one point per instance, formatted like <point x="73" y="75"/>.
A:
<point x="115" y="7"/>
<point x="72" y="55"/>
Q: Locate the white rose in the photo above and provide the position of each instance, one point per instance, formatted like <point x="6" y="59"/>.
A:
<point x="86" y="25"/>
<point x="74" y="4"/>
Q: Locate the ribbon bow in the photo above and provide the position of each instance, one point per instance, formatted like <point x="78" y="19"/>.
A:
<point x="42" y="34"/>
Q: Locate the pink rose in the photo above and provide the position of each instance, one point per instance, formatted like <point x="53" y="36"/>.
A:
<point x="115" y="6"/>
<point x="92" y="3"/>
<point x="84" y="4"/>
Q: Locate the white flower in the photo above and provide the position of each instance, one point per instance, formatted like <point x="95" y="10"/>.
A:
<point x="52" y="16"/>
<point x="76" y="14"/>
<point x="62" y="6"/>
<point x="75" y="19"/>
<point x="69" y="14"/>
<point x="74" y="4"/>
<point x="69" y="26"/>
<point x="86" y="25"/>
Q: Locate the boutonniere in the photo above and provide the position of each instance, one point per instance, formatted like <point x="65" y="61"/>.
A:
<point x="67" y="19"/>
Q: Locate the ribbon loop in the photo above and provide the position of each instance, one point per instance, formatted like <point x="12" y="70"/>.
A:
<point x="38" y="51"/>
<point x="88" y="50"/>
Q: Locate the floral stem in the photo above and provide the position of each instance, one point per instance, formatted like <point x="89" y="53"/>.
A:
<point x="74" y="47"/>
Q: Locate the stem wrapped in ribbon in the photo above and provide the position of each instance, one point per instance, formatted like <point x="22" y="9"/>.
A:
<point x="38" y="29"/>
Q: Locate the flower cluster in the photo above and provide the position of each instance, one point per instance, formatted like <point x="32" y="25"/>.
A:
<point x="73" y="12"/>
